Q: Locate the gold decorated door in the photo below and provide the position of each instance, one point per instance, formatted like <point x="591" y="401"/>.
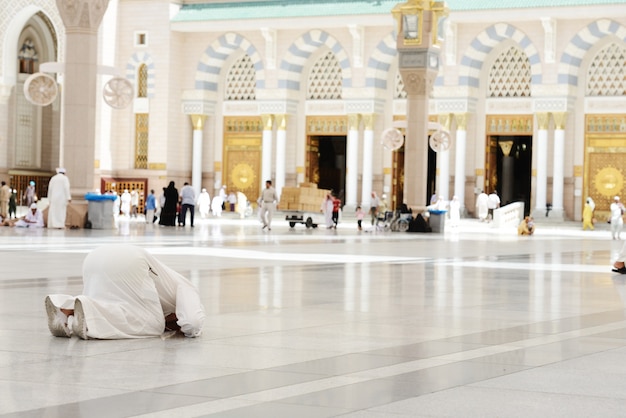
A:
<point x="243" y="146"/>
<point x="605" y="161"/>
<point x="312" y="160"/>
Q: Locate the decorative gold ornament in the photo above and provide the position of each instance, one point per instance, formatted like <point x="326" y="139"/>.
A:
<point x="609" y="181"/>
<point x="243" y="176"/>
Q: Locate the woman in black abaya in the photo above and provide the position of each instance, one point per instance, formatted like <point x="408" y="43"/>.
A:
<point x="168" y="212"/>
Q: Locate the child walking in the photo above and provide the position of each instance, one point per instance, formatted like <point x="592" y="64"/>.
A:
<point x="359" y="216"/>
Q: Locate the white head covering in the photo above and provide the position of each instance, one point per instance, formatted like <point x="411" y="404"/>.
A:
<point x="33" y="206"/>
<point x="61" y="170"/>
<point x="616" y="198"/>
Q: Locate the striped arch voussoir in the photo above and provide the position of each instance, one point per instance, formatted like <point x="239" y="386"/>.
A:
<point x="132" y="68"/>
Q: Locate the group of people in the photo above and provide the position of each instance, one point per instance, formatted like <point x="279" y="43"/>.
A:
<point x="486" y="204"/>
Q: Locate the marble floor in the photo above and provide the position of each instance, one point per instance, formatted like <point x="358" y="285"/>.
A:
<point x="474" y="322"/>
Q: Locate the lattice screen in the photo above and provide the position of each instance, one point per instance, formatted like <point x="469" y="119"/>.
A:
<point x="241" y="80"/>
<point x="606" y="75"/>
<point x="141" y="140"/>
<point x="400" y="92"/>
<point x="325" y="80"/>
<point x="510" y="75"/>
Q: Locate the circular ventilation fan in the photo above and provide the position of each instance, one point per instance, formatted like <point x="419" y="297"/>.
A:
<point x="118" y="92"/>
<point x="40" y="89"/>
<point x="392" y="139"/>
<point x="439" y="141"/>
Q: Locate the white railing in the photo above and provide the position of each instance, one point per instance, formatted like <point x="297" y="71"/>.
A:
<point x="508" y="216"/>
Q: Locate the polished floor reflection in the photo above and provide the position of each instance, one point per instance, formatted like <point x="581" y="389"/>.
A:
<point x="324" y="323"/>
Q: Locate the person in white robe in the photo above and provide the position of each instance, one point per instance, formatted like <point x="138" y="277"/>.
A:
<point x="59" y="197"/>
<point x="204" y="203"/>
<point x="125" y="203"/>
<point x="482" y="206"/>
<point x="127" y="293"/>
<point x="216" y="206"/>
<point x="455" y="211"/>
<point x="327" y="210"/>
<point x="32" y="219"/>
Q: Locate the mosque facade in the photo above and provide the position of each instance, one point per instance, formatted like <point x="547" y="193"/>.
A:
<point x="235" y="93"/>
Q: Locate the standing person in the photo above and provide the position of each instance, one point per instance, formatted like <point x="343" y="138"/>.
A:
<point x="216" y="206"/>
<point x="125" y="202"/>
<point x="482" y="206"/>
<point x="359" y="217"/>
<point x="374" y="202"/>
<point x="168" y="210"/>
<point x="13" y="205"/>
<point x="59" y="197"/>
<point x="188" y="203"/>
<point x="127" y="293"/>
<point x="150" y="208"/>
<point x="336" y="209"/>
<point x="29" y="197"/>
<point x="588" y="214"/>
<point x="327" y="210"/>
<point x="493" y="203"/>
<point x="232" y="201"/>
<point x="455" y="211"/>
<point x="5" y="196"/>
<point x="268" y="200"/>
<point x="134" y="203"/>
<point x="223" y="196"/>
<point x="617" y="222"/>
<point x="204" y="203"/>
<point x="116" y="203"/>
<point x="619" y="266"/>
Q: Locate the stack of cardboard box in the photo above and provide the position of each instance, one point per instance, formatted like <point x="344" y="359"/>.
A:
<point x="306" y="198"/>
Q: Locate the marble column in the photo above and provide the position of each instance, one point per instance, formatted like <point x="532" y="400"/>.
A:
<point x="78" y="119"/>
<point x="541" y="189"/>
<point x="459" y="158"/>
<point x="266" y="153"/>
<point x="197" y="122"/>
<point x="368" y="161"/>
<point x="558" y="175"/>
<point x="352" y="161"/>
<point x="281" y="146"/>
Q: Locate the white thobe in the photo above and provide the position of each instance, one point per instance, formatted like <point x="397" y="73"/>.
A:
<point x="35" y="220"/>
<point x="58" y="196"/>
<point x="128" y="293"/>
<point x="482" y="204"/>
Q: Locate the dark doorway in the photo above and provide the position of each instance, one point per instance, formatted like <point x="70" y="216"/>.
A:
<point x="431" y="182"/>
<point x="331" y="162"/>
<point x="513" y="169"/>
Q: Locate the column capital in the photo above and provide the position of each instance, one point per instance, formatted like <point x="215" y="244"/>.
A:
<point x="560" y="118"/>
<point x="461" y="121"/>
<point x="268" y="122"/>
<point x="281" y="122"/>
<point x="543" y="119"/>
<point x="82" y="15"/>
<point x="197" y="121"/>
<point x="445" y="120"/>
<point x="368" y="121"/>
<point x="354" y="121"/>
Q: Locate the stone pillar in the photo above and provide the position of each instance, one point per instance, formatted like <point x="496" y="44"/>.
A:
<point x="508" y="172"/>
<point x="352" y="161"/>
<point x="418" y="85"/>
<point x="541" y="189"/>
<point x="281" y="146"/>
<point x="368" y="161"/>
<point x="197" y="122"/>
<point x="558" y="175"/>
<point x="78" y="120"/>
<point x="459" y="158"/>
<point x="266" y="157"/>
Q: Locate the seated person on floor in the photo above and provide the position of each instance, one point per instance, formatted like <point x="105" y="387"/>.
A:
<point x="32" y="219"/>
<point x="127" y="293"/>
<point x="526" y="227"/>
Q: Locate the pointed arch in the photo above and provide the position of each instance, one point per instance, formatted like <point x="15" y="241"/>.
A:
<point x="214" y="57"/>
<point x="132" y="70"/>
<point x="300" y="51"/>
<point x="480" y="48"/>
<point x="581" y="43"/>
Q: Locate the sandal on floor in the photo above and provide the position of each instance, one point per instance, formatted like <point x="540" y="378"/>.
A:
<point x="621" y="270"/>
